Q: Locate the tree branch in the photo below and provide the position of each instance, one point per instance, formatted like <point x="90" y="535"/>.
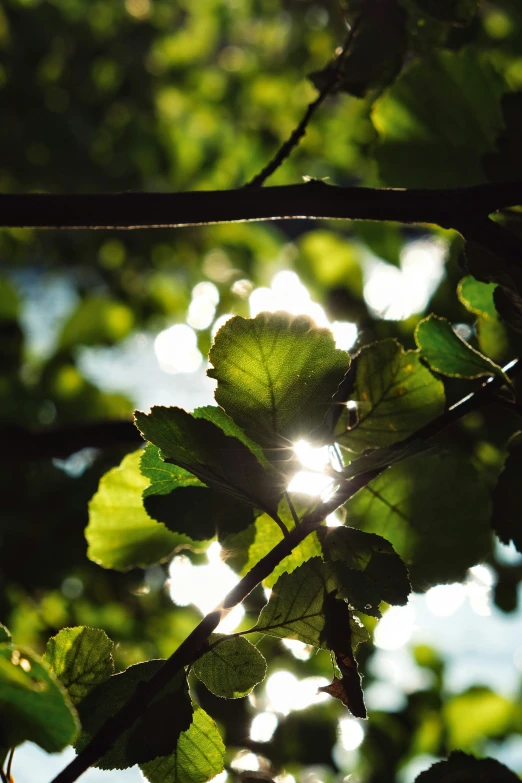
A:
<point x="297" y="134"/>
<point x="449" y="208"/>
<point x="195" y="644"/>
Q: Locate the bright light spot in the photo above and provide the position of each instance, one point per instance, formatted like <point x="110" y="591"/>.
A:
<point x="220" y="778"/>
<point x="263" y="727"/>
<point x="395" y="628"/>
<point x="188" y="584"/>
<point x="242" y="288"/>
<point x="311" y="457"/>
<point x="332" y="520"/>
<point x="444" y="600"/>
<point x="315" y="459"/>
<point x="299" y="650"/>
<point x="219" y="322"/>
<point x="394" y="293"/>
<point x="345" y="334"/>
<point x="314" y="484"/>
<point x="517" y="657"/>
<point x="351" y="733"/>
<point x="245" y="760"/>
<point x="288" y="293"/>
<point x="268" y="592"/>
<point x="284" y="692"/>
<point x="139" y="9"/>
<point x="284" y="778"/>
<point x="176" y="349"/>
<point x="205" y="297"/>
<point x="478" y="587"/>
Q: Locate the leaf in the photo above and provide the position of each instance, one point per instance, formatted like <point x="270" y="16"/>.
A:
<point x="198" y="756"/>
<point x="435" y="512"/>
<point x="461" y="768"/>
<point x="475" y="715"/>
<point x="81" y="658"/>
<point x="164" y="477"/>
<point x="376" y="54"/>
<point x="374" y="459"/>
<point x="449" y="354"/>
<point x="507" y="516"/>
<point x="295" y="607"/>
<point x="368" y="570"/>
<point x="276" y="375"/>
<point x="477" y="297"/>
<point x="34" y="705"/>
<point x="120" y="533"/>
<point x="395" y="396"/>
<point x="231" y="668"/>
<point x="201" y="447"/>
<point x="420" y="144"/>
<point x="154" y="734"/>
<point x="195" y="510"/>
<point x="504" y="163"/>
<point x="457" y="12"/>
<point x="264" y="537"/>
<point x="218" y="416"/>
<point x="338" y="638"/>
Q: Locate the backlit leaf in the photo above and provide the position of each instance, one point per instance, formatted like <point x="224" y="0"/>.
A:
<point x="198" y="756"/>
<point x="231" y="668"/>
<point x="34" y="706"/>
<point x="120" y="533"/>
<point x="367" y="568"/>
<point x="420" y="144"/>
<point x="276" y="375"/>
<point x="164" y="477"/>
<point x="448" y="353"/>
<point x="435" y="512"/>
<point x="154" y="734"/>
<point x="81" y="658"/>
<point x="394" y="395"/>
<point x="477" y="297"/>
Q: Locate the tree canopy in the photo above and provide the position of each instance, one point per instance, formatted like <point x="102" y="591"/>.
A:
<point x="261" y="453"/>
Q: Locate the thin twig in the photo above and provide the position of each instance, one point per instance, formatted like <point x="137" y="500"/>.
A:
<point x="196" y="643"/>
<point x="291" y="507"/>
<point x="10" y="763"/>
<point x="297" y="134"/>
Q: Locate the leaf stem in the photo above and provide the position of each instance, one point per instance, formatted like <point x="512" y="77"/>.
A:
<point x="291" y="507"/>
<point x="10" y="764"/>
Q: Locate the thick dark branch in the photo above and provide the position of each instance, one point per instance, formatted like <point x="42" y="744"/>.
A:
<point x="195" y="644"/>
<point x="312" y="200"/>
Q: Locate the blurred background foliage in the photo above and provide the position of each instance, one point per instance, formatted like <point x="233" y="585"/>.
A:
<point x="172" y="95"/>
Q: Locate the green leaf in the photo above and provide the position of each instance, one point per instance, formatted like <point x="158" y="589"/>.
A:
<point x="81" y="658"/>
<point x="5" y="634"/>
<point x="202" y="448"/>
<point x="97" y="320"/>
<point x="435" y="512"/>
<point x="231" y="668"/>
<point x="475" y="715"/>
<point x="154" y="734"/>
<point x="477" y="297"/>
<point x="367" y="568"/>
<point x="218" y="417"/>
<point x="507" y="516"/>
<point x="120" y="533"/>
<point x="457" y="12"/>
<point x="265" y="535"/>
<point x="395" y="395"/>
<point x="375" y="459"/>
<point x="295" y="608"/>
<point x="33" y="704"/>
<point x="420" y="143"/>
<point x="198" y="756"/>
<point x="276" y="375"/>
<point x="461" y="768"/>
<point x="164" y="477"/>
<point x="505" y="162"/>
<point x="449" y="354"/>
